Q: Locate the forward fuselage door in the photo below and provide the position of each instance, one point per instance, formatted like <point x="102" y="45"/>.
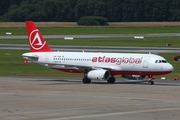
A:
<point x="145" y="62"/>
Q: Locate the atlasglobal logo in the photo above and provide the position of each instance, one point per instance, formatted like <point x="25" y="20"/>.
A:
<point x="118" y="61"/>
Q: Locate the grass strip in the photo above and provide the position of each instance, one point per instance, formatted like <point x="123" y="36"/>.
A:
<point x="94" y="30"/>
<point x="146" y="42"/>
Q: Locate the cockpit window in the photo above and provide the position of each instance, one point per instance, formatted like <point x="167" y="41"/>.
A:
<point x="160" y="61"/>
<point x="164" y="61"/>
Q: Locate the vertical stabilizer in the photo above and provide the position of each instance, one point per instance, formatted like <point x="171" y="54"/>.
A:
<point x="36" y="40"/>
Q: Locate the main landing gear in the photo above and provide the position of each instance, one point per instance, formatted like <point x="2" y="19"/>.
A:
<point x="86" y="80"/>
<point x="151" y="78"/>
<point x="111" y="80"/>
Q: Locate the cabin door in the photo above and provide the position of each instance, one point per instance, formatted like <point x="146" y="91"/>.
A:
<point x="145" y="63"/>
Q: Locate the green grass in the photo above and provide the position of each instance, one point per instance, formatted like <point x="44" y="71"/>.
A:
<point x="12" y="64"/>
<point x="94" y="30"/>
<point x="150" y="42"/>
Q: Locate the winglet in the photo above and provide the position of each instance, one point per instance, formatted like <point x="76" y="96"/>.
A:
<point x="36" y="40"/>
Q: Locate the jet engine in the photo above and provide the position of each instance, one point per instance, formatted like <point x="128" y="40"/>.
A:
<point x="134" y="77"/>
<point x="98" y="74"/>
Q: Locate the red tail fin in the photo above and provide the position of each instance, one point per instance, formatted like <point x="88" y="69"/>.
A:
<point x="36" y="40"/>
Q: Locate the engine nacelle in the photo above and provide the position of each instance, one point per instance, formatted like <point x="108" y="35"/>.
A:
<point x="98" y="75"/>
<point x="134" y="77"/>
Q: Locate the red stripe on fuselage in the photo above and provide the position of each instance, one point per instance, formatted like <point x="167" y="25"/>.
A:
<point x="114" y="72"/>
<point x="117" y="72"/>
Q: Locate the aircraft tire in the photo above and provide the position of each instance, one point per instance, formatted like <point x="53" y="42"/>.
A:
<point x="111" y="80"/>
<point x="86" y="80"/>
<point x="151" y="82"/>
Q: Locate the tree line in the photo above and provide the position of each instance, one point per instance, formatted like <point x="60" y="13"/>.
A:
<point x="73" y="10"/>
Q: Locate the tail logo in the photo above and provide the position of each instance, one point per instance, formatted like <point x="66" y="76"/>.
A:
<point x="35" y="40"/>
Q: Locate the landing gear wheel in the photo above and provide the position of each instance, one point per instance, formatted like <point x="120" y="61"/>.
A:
<point x="111" y="80"/>
<point x="86" y="80"/>
<point x="151" y="82"/>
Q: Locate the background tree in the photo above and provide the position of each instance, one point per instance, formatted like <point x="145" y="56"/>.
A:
<point x="73" y="10"/>
<point x="174" y="10"/>
<point x="4" y="5"/>
<point x="114" y="10"/>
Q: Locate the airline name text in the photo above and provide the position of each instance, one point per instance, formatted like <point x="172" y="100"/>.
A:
<point x="118" y="61"/>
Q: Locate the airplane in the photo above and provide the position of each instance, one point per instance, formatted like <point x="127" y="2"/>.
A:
<point x="94" y="65"/>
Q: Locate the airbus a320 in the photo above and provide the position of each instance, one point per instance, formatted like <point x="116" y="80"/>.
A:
<point x="94" y="65"/>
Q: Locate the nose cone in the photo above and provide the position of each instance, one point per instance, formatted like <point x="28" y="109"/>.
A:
<point x="169" y="67"/>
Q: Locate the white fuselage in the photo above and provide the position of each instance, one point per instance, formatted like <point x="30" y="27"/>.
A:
<point x="116" y="63"/>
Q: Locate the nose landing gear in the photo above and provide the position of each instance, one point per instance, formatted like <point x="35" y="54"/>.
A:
<point x="151" y="78"/>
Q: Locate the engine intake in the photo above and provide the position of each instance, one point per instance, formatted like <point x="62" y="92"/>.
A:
<point x="98" y="74"/>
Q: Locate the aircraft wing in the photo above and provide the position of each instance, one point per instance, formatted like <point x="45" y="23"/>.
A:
<point x="81" y="67"/>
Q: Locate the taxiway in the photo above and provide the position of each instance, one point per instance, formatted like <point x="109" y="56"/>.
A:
<point x="62" y="98"/>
